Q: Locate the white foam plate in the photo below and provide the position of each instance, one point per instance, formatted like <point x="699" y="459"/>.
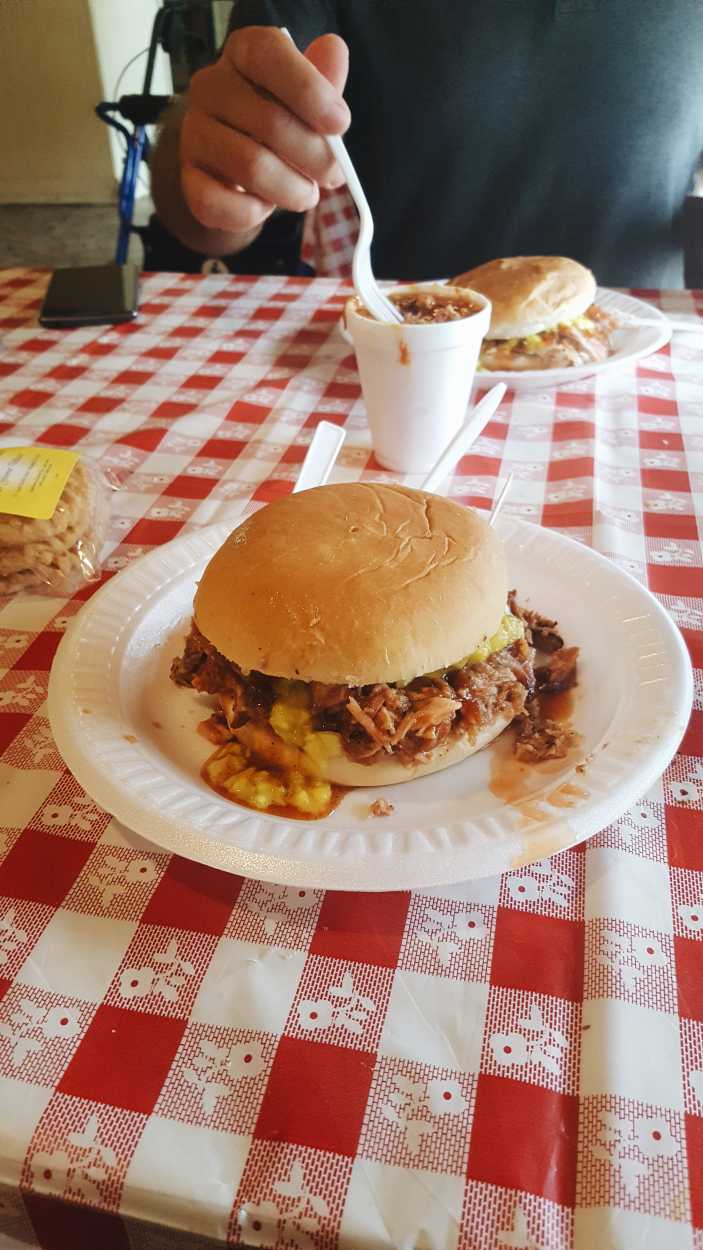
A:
<point x="644" y="330"/>
<point x="129" y="735"/>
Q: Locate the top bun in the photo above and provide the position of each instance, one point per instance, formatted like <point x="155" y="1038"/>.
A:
<point x="354" y="583"/>
<point x="530" y="294"/>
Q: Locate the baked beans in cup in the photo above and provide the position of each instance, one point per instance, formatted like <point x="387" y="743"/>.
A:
<point x="420" y="307"/>
<point x="416" y="376"/>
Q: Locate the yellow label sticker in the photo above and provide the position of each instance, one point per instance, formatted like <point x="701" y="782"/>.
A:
<point x="32" y="479"/>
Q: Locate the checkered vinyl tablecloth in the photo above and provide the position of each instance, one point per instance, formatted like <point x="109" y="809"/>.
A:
<point x="188" y="1058"/>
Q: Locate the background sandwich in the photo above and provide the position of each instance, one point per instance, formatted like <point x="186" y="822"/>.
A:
<point x="544" y="314"/>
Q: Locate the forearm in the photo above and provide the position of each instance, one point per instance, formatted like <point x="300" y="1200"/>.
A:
<point x="167" y="194"/>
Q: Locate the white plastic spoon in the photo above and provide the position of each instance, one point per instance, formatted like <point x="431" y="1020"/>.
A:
<point x="324" y="448"/>
<point x="500" y="499"/>
<point x="467" y="435"/>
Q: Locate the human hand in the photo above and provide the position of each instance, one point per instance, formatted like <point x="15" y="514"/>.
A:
<point x="252" y="134"/>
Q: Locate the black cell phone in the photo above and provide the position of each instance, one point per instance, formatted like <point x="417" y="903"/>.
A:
<point x="94" y="296"/>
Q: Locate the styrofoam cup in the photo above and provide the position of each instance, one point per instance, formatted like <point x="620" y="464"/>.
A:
<point x="416" y="379"/>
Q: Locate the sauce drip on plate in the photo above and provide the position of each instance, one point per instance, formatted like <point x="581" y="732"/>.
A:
<point x="513" y="780"/>
<point x="559" y="706"/>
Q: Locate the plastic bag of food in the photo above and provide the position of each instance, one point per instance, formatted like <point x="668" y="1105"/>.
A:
<point x="54" y="511"/>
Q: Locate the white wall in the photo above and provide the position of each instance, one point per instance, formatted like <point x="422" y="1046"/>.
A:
<point x="59" y="58"/>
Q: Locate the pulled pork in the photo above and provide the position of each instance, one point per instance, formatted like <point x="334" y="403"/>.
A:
<point x="381" y="807"/>
<point x="540" y="631"/>
<point x="560" y="347"/>
<point x="539" y="738"/>
<point x="412" y="720"/>
<point x="559" y="673"/>
<point x="204" y="669"/>
<point x="407" y="721"/>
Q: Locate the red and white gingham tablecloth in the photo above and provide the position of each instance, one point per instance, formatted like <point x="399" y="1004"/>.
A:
<point x="187" y="1058"/>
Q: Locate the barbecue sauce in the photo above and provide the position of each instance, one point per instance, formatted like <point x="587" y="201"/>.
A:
<point x="558" y="706"/>
<point x="512" y="780"/>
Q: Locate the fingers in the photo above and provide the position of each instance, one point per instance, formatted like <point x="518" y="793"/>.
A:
<point x="238" y="160"/>
<point x="232" y="100"/>
<point x="221" y="207"/>
<point x="330" y="56"/>
<point x="252" y="136"/>
<point x="267" y="58"/>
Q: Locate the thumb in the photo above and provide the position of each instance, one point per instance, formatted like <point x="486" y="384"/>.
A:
<point x="330" y="55"/>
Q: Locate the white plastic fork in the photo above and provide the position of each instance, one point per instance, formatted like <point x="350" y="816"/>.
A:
<point x="324" y="448"/>
<point x="365" y="284"/>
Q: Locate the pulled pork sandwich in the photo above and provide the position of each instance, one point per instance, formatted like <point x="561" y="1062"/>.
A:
<point x="543" y="313"/>
<point x="355" y="635"/>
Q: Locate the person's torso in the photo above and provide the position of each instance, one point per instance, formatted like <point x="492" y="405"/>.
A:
<point x="485" y="128"/>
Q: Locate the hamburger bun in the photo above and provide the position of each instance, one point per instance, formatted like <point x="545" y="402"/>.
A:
<point x="530" y="294"/>
<point x="354" y="584"/>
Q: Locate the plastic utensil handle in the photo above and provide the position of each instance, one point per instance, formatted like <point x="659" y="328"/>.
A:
<point x="336" y="146"/>
<point x="321" y="455"/>
<point x="500" y="499"/>
<point x="468" y="434"/>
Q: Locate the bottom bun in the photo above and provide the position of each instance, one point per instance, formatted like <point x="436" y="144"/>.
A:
<point x="555" y="353"/>
<point x="390" y="771"/>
